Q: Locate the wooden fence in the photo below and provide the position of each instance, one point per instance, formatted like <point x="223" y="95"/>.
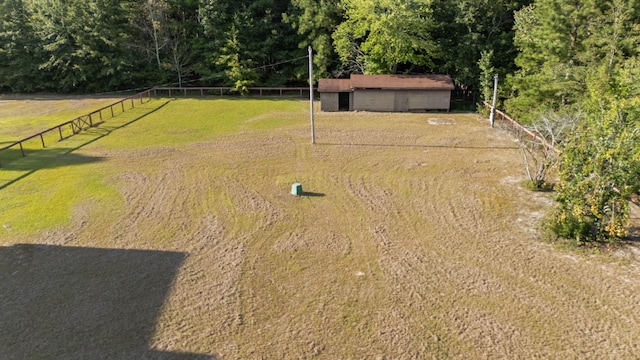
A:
<point x="504" y="121"/>
<point x="302" y="92"/>
<point x="72" y="127"/>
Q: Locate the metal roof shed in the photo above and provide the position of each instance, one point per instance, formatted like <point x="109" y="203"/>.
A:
<point x="399" y="93"/>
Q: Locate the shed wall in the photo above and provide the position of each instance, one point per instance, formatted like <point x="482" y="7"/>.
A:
<point x="401" y="100"/>
<point x="428" y="100"/>
<point x="329" y="101"/>
<point x="374" y="100"/>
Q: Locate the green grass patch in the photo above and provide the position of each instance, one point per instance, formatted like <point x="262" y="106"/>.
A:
<point x="193" y="120"/>
<point x="41" y="190"/>
<point x="48" y="197"/>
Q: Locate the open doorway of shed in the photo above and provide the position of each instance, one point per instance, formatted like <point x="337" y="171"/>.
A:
<point x="343" y="101"/>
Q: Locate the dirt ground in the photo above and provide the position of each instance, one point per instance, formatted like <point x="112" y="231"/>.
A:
<point x="414" y="239"/>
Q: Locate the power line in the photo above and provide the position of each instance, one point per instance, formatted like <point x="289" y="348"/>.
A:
<point x="280" y="63"/>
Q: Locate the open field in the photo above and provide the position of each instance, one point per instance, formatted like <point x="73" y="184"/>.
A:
<point x="169" y="233"/>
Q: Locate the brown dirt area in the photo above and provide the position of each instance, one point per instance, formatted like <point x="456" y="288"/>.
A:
<point x="419" y="242"/>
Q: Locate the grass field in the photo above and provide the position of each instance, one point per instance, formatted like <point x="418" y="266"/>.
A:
<point x="169" y="232"/>
<point x="21" y="117"/>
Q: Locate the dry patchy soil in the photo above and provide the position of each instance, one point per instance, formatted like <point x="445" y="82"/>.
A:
<point x="414" y="239"/>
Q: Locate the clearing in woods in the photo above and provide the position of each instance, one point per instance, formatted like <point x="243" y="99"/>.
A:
<point x="174" y="232"/>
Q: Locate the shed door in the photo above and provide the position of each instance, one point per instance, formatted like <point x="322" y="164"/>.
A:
<point x="343" y="101"/>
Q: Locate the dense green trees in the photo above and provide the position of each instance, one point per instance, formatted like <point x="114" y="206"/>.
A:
<point x="316" y="21"/>
<point x="102" y="45"/>
<point x="244" y="39"/>
<point x="379" y="35"/>
<point x="20" y="50"/>
<point x="473" y="35"/>
<point x="82" y="44"/>
<point x="561" y="44"/>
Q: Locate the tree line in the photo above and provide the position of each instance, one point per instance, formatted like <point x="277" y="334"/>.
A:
<point x="106" y="45"/>
<point x="568" y="69"/>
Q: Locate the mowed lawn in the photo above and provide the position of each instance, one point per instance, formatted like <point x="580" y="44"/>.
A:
<point x="170" y="232"/>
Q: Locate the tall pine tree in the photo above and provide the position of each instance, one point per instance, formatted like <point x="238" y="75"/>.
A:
<point x="551" y="36"/>
<point x="20" y="48"/>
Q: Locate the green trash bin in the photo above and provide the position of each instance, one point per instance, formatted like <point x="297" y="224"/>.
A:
<point x="296" y="189"/>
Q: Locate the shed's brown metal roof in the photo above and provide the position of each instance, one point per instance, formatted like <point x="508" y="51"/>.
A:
<point x="387" y="82"/>
<point x="334" y="85"/>
<point x="404" y="82"/>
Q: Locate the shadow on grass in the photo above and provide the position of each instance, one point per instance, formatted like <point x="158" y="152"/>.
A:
<point x="311" y="194"/>
<point x="53" y="157"/>
<point x="84" y="303"/>
<point x="50" y="158"/>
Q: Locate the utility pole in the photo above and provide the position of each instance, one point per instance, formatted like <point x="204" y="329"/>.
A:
<point x="495" y="98"/>
<point x="313" y="130"/>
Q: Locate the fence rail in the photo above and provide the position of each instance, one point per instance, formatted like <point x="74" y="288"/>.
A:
<point x="517" y="128"/>
<point x="222" y="90"/>
<point x="72" y="127"/>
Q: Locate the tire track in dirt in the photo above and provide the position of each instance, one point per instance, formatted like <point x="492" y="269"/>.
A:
<point x="159" y="203"/>
<point x="145" y="199"/>
<point x="520" y="288"/>
<point x="302" y="240"/>
<point x="165" y="203"/>
<point x="444" y="278"/>
<point x="68" y="234"/>
<point x="433" y="283"/>
<point x="208" y="289"/>
<point x="446" y="266"/>
<point x="458" y="272"/>
<point x="405" y="270"/>
<point x="249" y="202"/>
<point x="258" y="220"/>
<point x="409" y="288"/>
